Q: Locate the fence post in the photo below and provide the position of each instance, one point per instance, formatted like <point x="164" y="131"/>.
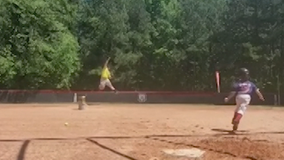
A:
<point x="275" y="100"/>
<point x="75" y="98"/>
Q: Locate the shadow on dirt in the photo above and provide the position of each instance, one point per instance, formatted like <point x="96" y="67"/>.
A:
<point x="224" y="132"/>
<point x="111" y="150"/>
<point x="109" y="137"/>
<point x="244" y="132"/>
<point x="21" y="154"/>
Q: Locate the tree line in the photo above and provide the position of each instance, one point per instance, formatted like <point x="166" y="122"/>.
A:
<point x="154" y="44"/>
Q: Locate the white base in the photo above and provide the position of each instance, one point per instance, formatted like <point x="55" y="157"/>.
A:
<point x="190" y="153"/>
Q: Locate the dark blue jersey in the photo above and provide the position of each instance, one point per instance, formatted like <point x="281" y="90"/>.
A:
<point x="244" y="87"/>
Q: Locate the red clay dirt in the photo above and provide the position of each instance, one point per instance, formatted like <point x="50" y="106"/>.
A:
<point x="137" y="132"/>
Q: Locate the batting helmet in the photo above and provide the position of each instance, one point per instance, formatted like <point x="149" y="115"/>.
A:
<point x="243" y="74"/>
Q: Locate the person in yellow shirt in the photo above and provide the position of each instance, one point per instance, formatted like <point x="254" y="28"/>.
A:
<point x="105" y="78"/>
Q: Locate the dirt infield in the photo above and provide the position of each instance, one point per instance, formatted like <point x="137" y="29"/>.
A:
<point x="137" y="132"/>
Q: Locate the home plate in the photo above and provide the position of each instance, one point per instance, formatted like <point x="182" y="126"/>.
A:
<point x="189" y="153"/>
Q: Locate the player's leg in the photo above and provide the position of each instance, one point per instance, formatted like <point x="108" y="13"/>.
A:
<point x="237" y="114"/>
<point x="109" y="84"/>
<point x="102" y="85"/>
<point x="237" y="118"/>
<point x="242" y="102"/>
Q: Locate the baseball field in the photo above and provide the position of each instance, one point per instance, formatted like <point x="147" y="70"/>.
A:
<point x="138" y="132"/>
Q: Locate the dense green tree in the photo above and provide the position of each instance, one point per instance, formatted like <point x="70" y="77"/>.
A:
<point x="154" y="44"/>
<point x="36" y="45"/>
<point x="251" y="38"/>
<point x="199" y="20"/>
<point x="102" y="33"/>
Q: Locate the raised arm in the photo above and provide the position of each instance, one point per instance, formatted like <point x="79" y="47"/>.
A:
<point x="106" y="63"/>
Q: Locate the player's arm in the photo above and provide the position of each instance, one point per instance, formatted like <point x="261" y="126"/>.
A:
<point x="230" y="96"/>
<point x="106" y="63"/>
<point x="259" y="94"/>
<point x="232" y="93"/>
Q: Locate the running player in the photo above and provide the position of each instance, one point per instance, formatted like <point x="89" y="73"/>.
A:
<point x="105" y="78"/>
<point x="243" y="90"/>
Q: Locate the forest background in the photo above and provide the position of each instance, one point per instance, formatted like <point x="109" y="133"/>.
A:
<point x="173" y="45"/>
